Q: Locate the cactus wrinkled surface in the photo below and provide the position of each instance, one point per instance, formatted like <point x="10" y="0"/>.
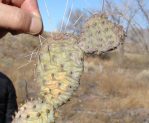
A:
<point x="35" y="112"/>
<point x="99" y="35"/>
<point x="59" y="68"/>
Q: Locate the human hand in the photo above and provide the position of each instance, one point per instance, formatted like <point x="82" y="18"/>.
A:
<point x="20" y="15"/>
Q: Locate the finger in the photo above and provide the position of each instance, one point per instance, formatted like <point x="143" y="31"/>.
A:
<point x="14" y="18"/>
<point x="5" y="1"/>
<point x="30" y="6"/>
<point x="17" y="3"/>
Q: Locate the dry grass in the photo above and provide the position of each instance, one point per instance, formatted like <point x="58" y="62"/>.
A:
<point x="110" y="94"/>
<point x="13" y="50"/>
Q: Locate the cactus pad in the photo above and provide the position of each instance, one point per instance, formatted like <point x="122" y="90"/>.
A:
<point x="60" y="65"/>
<point x="59" y="68"/>
<point x="35" y="112"/>
<point x="100" y="35"/>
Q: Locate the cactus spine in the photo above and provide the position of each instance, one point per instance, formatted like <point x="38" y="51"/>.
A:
<point x="60" y="65"/>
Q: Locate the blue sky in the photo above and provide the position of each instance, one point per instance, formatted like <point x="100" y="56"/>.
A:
<point x="56" y="10"/>
<point x="57" y="7"/>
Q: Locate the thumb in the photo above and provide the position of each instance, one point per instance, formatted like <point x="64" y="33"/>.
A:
<point x="16" y="19"/>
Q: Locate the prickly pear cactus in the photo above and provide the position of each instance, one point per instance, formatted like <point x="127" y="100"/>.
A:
<point x="35" y="112"/>
<point x="60" y="65"/>
<point x="100" y="35"/>
<point x="59" y="68"/>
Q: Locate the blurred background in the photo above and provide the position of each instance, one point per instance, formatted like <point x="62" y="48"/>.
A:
<point x="114" y="86"/>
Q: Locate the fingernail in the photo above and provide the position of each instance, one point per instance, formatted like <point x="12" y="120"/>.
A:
<point x="36" y="25"/>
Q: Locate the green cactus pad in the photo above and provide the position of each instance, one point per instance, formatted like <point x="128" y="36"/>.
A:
<point x="59" y="68"/>
<point x="100" y="35"/>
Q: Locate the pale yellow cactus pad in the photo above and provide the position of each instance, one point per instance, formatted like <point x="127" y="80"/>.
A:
<point x="59" y="68"/>
<point x="100" y="35"/>
<point x="35" y="112"/>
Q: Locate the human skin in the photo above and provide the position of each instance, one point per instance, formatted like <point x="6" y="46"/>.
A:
<point x="21" y="16"/>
